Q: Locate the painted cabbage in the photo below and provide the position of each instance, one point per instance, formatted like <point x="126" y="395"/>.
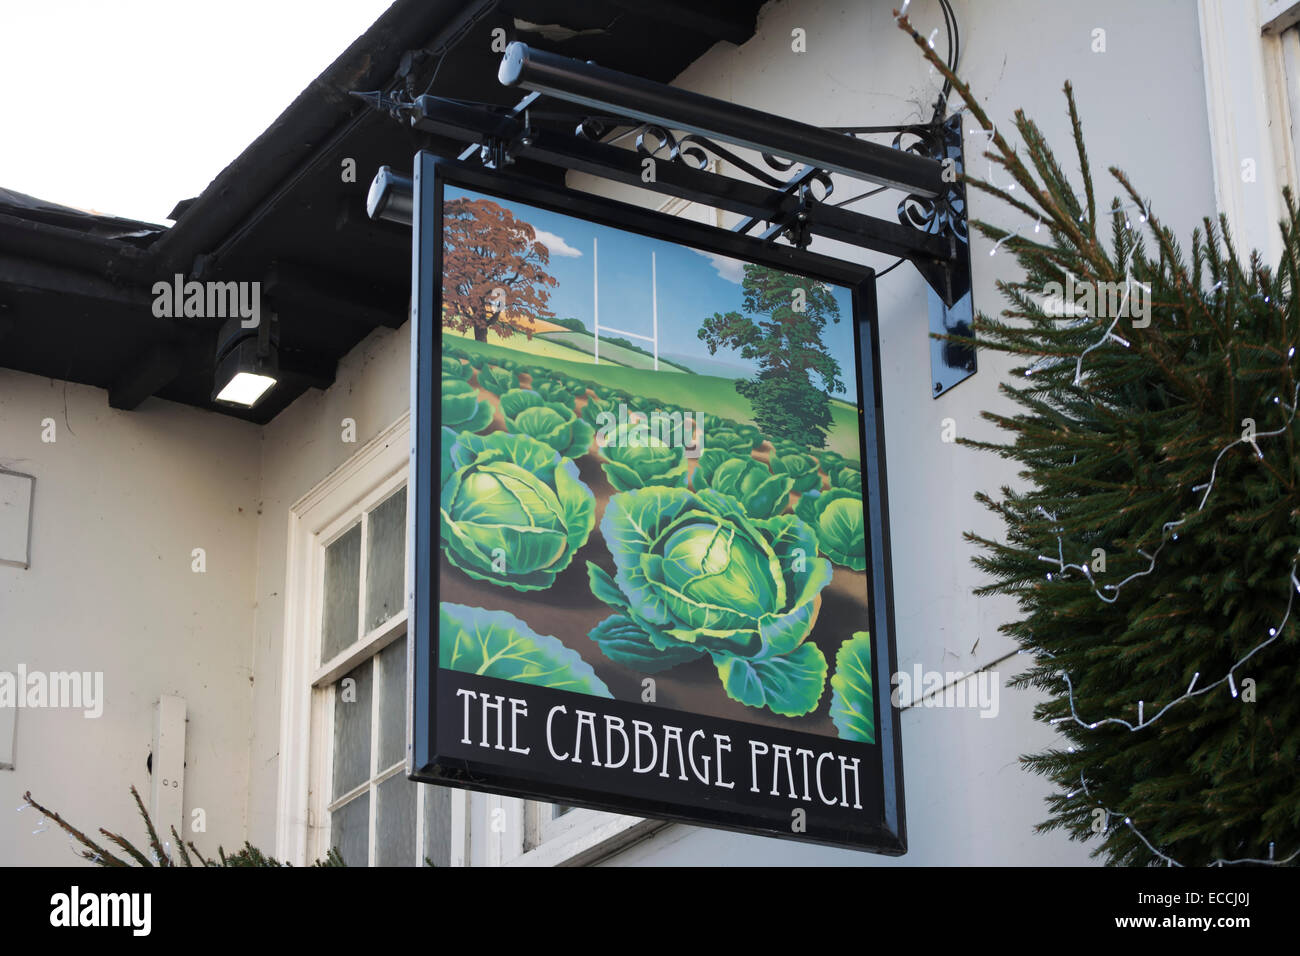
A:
<point x="513" y="511"/>
<point x="498" y="644"/>
<point x="751" y="433"/>
<point x="782" y="447"/>
<point x="852" y="697"/>
<point x="497" y="380"/>
<point x="635" y="458"/>
<point x="528" y="413"/>
<point x="831" y="462"/>
<point x="455" y="367"/>
<point x="761" y="493"/>
<point x="802" y="468"/>
<point x="554" y="391"/>
<point x="848" y="477"/>
<point x="836" y="517"/>
<point x="728" y="440"/>
<point x="462" y="409"/>
<point x="695" y="575"/>
<point x="595" y="407"/>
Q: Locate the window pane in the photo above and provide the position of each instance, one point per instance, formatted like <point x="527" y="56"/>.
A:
<point x="437" y="825"/>
<point x="395" y="824"/>
<point x="352" y="730"/>
<point x="386" y="560"/>
<point x="342" y="584"/>
<point x="350" y="831"/>
<point x="392" y="704"/>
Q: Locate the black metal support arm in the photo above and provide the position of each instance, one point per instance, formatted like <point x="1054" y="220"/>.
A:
<point x="600" y="88"/>
<point x="671" y="141"/>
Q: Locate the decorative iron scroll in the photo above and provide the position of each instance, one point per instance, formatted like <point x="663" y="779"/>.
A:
<point x="690" y="149"/>
<point x="941" y="215"/>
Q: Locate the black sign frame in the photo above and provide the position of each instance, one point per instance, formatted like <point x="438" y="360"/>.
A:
<point x="429" y="759"/>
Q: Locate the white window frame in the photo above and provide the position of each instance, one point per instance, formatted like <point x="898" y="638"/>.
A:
<point x="306" y="752"/>
<point x="509" y="831"/>
<point x="307" y="701"/>
<point x="1248" y="114"/>
<point x="578" y="837"/>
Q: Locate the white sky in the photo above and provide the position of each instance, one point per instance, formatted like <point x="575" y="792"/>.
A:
<point x="128" y="106"/>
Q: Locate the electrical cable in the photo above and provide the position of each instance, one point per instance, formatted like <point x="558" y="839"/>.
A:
<point x="954" y="51"/>
<point x="889" y="269"/>
<point x="869" y="192"/>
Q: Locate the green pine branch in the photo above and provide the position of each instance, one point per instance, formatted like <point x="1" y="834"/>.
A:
<point x="248" y="855"/>
<point x="1118" y="447"/>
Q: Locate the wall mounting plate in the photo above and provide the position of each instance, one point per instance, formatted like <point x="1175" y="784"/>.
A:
<point x="951" y="363"/>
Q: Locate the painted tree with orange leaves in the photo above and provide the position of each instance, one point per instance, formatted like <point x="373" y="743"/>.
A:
<point x="494" y="274"/>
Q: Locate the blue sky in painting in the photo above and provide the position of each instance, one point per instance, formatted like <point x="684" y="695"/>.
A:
<point x="692" y="285"/>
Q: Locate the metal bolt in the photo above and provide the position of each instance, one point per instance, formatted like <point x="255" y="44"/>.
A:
<point x="938" y="386"/>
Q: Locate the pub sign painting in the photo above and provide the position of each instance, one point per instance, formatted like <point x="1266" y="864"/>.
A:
<point x="655" y="579"/>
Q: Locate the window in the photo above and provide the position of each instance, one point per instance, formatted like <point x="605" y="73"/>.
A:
<point x="373" y="814"/>
<point x="1288" y="49"/>
<point x="510" y="832"/>
<point x="1249" y="57"/>
<point x="343" y="743"/>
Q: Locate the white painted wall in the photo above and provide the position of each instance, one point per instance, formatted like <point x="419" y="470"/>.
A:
<point x="122" y="499"/>
<point x="301" y="447"/>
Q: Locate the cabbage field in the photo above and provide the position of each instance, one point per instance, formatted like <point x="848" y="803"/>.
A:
<point x="584" y="550"/>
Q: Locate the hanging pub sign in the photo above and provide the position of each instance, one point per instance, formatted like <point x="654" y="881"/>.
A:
<point x="651" y="561"/>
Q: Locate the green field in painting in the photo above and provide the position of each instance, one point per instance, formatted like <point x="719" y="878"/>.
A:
<point x="704" y="393"/>
<point x="538" y="348"/>
<point x="586" y="342"/>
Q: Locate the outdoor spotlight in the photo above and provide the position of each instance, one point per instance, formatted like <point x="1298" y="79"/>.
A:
<point x="247" y="361"/>
<point x="391" y="197"/>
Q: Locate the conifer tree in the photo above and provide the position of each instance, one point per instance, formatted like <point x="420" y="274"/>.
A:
<point x="781" y="329"/>
<point x="1152" y="541"/>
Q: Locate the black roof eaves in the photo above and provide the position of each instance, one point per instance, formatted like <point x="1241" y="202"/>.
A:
<point x="16" y="207"/>
<point x="66" y="247"/>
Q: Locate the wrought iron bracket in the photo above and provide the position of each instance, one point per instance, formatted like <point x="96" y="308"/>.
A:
<point x="656" y="137"/>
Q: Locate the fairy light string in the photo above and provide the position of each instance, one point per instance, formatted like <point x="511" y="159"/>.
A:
<point x="1167" y="530"/>
<point x="1109" y="593"/>
<point x="1218" y="862"/>
<point x="1167" y="534"/>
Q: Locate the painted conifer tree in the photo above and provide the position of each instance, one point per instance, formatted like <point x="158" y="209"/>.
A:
<point x="782" y="330"/>
<point x="1152" y="543"/>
